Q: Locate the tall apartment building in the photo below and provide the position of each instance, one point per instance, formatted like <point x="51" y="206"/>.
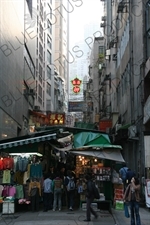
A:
<point x="44" y="54"/>
<point x="94" y="94"/>
<point x="126" y="28"/>
<point x="61" y="58"/>
<point x="17" y="69"/>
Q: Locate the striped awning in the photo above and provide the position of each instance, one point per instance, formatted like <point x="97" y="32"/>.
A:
<point x="25" y="141"/>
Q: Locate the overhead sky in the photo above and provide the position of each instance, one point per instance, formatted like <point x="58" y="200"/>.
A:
<point x="90" y="10"/>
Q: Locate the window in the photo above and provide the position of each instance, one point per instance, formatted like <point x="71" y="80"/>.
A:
<point x="49" y="42"/>
<point x="49" y="72"/>
<point x="40" y="49"/>
<point x="40" y="70"/>
<point x="49" y="57"/>
<point x="49" y="26"/>
<point x="50" y="12"/>
<point x="48" y="89"/>
<point x="101" y="49"/>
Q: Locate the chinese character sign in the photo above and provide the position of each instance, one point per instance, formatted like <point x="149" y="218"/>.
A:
<point x="76" y="85"/>
<point x="56" y="119"/>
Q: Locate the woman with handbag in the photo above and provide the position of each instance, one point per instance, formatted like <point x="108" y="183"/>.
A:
<point x="132" y="195"/>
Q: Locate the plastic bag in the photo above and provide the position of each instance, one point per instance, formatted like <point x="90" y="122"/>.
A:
<point x="126" y="210"/>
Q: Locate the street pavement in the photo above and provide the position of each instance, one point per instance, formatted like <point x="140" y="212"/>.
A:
<point x="76" y="217"/>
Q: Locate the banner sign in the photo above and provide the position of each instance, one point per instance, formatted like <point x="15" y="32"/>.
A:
<point x="76" y="106"/>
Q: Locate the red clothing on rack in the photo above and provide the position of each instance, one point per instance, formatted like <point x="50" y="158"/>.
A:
<point x="8" y="163"/>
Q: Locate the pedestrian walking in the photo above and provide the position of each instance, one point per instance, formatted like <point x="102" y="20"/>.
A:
<point x="89" y="198"/>
<point x="47" y="193"/>
<point x="132" y="195"/>
<point x="123" y="175"/>
<point x="58" y="188"/>
<point x="70" y="189"/>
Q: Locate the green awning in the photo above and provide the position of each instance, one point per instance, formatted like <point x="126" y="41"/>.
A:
<point x="90" y="139"/>
<point x="126" y="126"/>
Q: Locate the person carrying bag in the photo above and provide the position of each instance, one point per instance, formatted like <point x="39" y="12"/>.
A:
<point x="132" y="196"/>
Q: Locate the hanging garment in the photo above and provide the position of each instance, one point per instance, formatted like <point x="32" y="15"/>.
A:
<point x="22" y="163"/>
<point x="1" y="164"/>
<point x="1" y="189"/>
<point x="33" y="185"/>
<point x="19" y="192"/>
<point x="12" y="191"/>
<point x="6" y="177"/>
<point x="8" y="163"/>
<point x="36" y="171"/>
<point x="18" y="177"/>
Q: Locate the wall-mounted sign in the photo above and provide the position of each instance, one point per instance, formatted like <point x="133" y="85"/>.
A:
<point x="76" y="106"/>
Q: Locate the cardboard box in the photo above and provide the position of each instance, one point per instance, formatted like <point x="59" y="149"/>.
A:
<point x="118" y="186"/>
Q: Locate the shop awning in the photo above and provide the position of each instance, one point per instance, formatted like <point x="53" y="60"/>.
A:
<point x="124" y="127"/>
<point x="96" y="145"/>
<point x="92" y="139"/>
<point x="24" y="140"/>
<point x="109" y="154"/>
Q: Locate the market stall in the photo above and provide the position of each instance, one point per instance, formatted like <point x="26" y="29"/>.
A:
<point x="95" y="153"/>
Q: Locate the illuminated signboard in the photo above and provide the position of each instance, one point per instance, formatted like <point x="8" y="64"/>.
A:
<point x="56" y="119"/>
<point x="76" y="85"/>
<point x="39" y="119"/>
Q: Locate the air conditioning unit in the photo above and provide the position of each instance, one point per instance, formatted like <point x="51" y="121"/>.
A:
<point x="114" y="57"/>
<point x="132" y="132"/>
<point x="103" y="18"/>
<point x="103" y="24"/>
<point x="36" y="108"/>
<point x="103" y="65"/>
<point x="117" y="127"/>
<point x="29" y="92"/>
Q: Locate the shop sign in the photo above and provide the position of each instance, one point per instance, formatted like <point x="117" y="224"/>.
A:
<point x="76" y="106"/>
<point x="38" y="119"/>
<point x="56" y="119"/>
<point x="76" y="85"/>
<point x="104" y="125"/>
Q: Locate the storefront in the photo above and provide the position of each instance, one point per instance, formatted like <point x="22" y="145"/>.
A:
<point x="79" y="150"/>
<point x="22" y="159"/>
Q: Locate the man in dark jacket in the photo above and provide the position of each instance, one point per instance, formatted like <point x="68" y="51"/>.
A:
<point x="89" y="198"/>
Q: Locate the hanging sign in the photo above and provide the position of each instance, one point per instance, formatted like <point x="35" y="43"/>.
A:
<point x="76" y="85"/>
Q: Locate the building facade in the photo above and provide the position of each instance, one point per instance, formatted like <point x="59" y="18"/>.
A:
<point x="61" y="56"/>
<point x="17" y="71"/>
<point x="126" y="33"/>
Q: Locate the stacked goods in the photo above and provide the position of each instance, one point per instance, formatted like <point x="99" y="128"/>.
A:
<point x="118" y="196"/>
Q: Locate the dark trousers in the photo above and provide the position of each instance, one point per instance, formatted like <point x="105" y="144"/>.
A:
<point x="135" y="216"/>
<point x="47" y="201"/>
<point x="89" y="209"/>
<point x="35" y="202"/>
<point x="70" y="198"/>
